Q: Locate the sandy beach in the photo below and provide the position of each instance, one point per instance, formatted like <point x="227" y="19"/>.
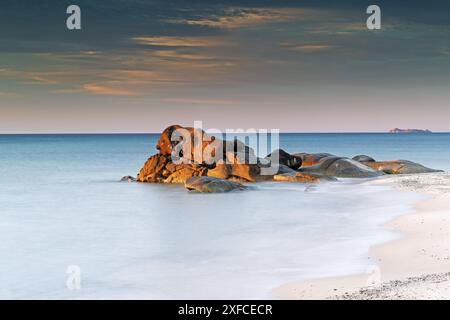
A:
<point x="414" y="266"/>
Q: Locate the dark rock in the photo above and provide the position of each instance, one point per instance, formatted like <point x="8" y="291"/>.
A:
<point x="128" y="179"/>
<point x="341" y="167"/>
<point x="284" y="158"/>
<point x="310" y="159"/>
<point x="363" y="158"/>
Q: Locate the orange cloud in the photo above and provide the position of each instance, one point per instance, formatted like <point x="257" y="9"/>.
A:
<point x="172" y="54"/>
<point x="107" y="90"/>
<point x="247" y="17"/>
<point x="306" y="47"/>
<point x="176" y="41"/>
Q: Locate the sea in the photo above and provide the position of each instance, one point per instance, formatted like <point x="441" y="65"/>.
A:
<point x="70" y="230"/>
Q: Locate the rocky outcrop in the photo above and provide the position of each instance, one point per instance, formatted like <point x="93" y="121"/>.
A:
<point x="341" y="167"/>
<point x="212" y="185"/>
<point x="398" y="130"/>
<point x="232" y="161"/>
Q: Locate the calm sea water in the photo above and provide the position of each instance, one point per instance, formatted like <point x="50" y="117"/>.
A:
<point x="61" y="205"/>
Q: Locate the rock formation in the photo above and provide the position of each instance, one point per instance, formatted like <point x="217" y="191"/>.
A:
<point x="207" y="156"/>
<point x="214" y="165"/>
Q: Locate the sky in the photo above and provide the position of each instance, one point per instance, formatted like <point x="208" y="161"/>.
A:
<point x="297" y="66"/>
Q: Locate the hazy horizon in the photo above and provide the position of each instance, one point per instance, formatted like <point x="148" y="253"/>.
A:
<point x="157" y="133"/>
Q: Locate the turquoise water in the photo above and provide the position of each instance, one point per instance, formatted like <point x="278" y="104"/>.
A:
<point x="61" y="205"/>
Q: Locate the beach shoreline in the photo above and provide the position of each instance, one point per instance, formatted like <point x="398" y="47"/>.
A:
<point x="416" y="265"/>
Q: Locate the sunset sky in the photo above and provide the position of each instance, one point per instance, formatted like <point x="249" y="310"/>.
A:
<point x="300" y="66"/>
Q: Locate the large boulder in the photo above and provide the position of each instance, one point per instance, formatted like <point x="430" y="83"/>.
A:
<point x="310" y="159"/>
<point x="284" y="158"/>
<point x="399" y="167"/>
<point x="341" y="167"/>
<point x="212" y="185"/>
<point x="302" y="177"/>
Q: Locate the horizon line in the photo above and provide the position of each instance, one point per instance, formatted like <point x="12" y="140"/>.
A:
<point x="151" y="133"/>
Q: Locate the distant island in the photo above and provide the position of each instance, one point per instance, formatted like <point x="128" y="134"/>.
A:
<point x="397" y="130"/>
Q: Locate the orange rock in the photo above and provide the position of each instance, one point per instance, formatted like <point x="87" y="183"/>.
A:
<point x="153" y="169"/>
<point x="302" y="177"/>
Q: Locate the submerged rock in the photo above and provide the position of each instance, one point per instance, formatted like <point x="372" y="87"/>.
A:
<point x="212" y="185"/>
<point x="341" y="167"/>
<point x="127" y="179"/>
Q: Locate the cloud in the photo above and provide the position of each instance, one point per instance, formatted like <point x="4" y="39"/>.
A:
<point x="233" y="18"/>
<point x="200" y="101"/>
<point x="173" y="54"/>
<point x="107" y="90"/>
<point x="176" y="41"/>
<point x="306" y="47"/>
